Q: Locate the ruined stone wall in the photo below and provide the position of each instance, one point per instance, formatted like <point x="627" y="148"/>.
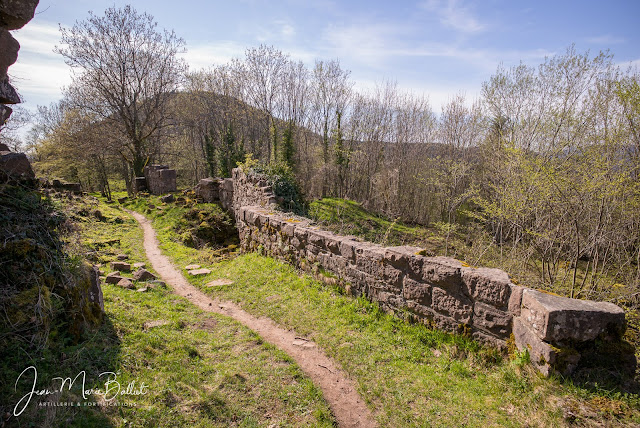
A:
<point x="160" y="179"/>
<point x="440" y="292"/>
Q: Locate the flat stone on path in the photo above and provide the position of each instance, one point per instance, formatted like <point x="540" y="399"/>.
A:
<point x="303" y="343"/>
<point x="219" y="282"/>
<point x="196" y="272"/>
<point x="192" y="267"/>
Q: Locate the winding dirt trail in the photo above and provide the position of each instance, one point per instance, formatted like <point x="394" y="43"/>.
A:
<point x="338" y="390"/>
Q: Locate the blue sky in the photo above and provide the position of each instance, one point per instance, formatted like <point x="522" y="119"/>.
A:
<point x="435" y="47"/>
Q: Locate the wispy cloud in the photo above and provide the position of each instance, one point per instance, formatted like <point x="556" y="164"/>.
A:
<point x="606" y="39"/>
<point x="205" y="55"/>
<point x="40" y="73"/>
<point x="455" y="15"/>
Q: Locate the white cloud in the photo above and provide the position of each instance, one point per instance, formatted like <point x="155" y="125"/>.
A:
<point x="454" y="15"/>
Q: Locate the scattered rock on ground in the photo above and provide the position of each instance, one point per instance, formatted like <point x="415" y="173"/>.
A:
<point x="157" y="323"/>
<point x="191" y="267"/>
<point x="139" y="265"/>
<point x="303" y="343"/>
<point x="122" y="200"/>
<point x="143" y="275"/>
<point x="122" y="257"/>
<point x="167" y="198"/>
<point x="196" y="272"/>
<point x="142" y="290"/>
<point x="219" y="282"/>
<point x="156" y="284"/>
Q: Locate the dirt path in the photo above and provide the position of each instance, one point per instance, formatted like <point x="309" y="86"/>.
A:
<point x="339" y="391"/>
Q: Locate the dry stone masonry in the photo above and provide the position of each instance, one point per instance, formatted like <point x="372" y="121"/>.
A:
<point x="440" y="292"/>
<point x="158" y="179"/>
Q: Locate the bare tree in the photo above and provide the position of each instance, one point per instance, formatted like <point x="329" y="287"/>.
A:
<point x="125" y="71"/>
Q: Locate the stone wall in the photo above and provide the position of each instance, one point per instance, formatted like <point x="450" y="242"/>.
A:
<point x="440" y="292"/>
<point x="237" y="191"/>
<point x="160" y="179"/>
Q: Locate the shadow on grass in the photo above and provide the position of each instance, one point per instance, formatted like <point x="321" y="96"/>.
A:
<point x="54" y="405"/>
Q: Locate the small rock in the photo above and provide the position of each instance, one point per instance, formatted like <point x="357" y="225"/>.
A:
<point x="167" y="198"/>
<point x="196" y="272"/>
<point x="122" y="200"/>
<point x="151" y="206"/>
<point x="156" y="284"/>
<point x="122" y="257"/>
<point x="143" y="275"/>
<point x="139" y="265"/>
<point x="303" y="343"/>
<point x="218" y="283"/>
<point x="142" y="290"/>
<point x="125" y="283"/>
<point x="191" y="267"/>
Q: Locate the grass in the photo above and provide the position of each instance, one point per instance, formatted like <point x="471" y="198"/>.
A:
<point x="200" y="369"/>
<point x="409" y="375"/>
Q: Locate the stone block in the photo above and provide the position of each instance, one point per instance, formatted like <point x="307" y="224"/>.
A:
<point x="488" y="339"/>
<point x="5" y="113"/>
<point x="392" y="276"/>
<point x="443" y="272"/>
<point x="490" y="286"/>
<point x="347" y="249"/>
<point x="289" y="229"/>
<point x="542" y="355"/>
<point x="113" y="278"/>
<point x="488" y="318"/>
<point x="399" y="256"/>
<point x="417" y="291"/>
<point x="457" y="307"/>
<point x="557" y="319"/>
<point x="121" y="266"/>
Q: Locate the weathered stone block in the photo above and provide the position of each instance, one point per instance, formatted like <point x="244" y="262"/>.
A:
<point x="490" y="286"/>
<point x="288" y="229"/>
<point x="347" y="249"/>
<point x="515" y="300"/>
<point x="457" y="307"/>
<point x="556" y="319"/>
<point x="143" y="275"/>
<point x="417" y="291"/>
<point x="113" y="278"/>
<point x="490" y="319"/>
<point x="442" y="272"/>
<point x="208" y="189"/>
<point x="542" y="355"/>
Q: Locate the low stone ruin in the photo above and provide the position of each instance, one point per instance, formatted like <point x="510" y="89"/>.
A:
<point x="558" y="333"/>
